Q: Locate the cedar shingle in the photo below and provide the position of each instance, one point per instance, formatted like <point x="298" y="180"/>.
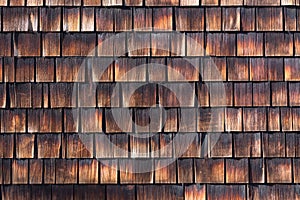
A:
<point x="48" y="145"/>
<point x="133" y="2"/>
<point x="20" y="19"/>
<point x="261" y="94"/>
<point x="257" y="171"/>
<point x="220" y="145"/>
<point x="290" y="17"/>
<point x="291" y="69"/>
<point x="123" y="19"/>
<point x="296" y="119"/>
<point x="101" y="69"/>
<point x="24" y="70"/>
<point x="221" y="44"/>
<point x="204" y="119"/>
<point x="189" y="2"/>
<point x="129" y="171"/>
<point x="3" y="95"/>
<point x="195" y="192"/>
<point x="248" y="19"/>
<point x="71" y="120"/>
<point x="275" y="69"/>
<point x="279" y="170"/>
<point x="49" y="171"/>
<point x="213" y="69"/>
<point x="87" y="19"/>
<point x="62" y="95"/>
<point x="226" y="191"/>
<point x="79" y="44"/>
<point x="63" y="2"/>
<point x="71" y="19"/>
<point x="170" y="124"/>
<point x="108" y="95"/>
<point x="78" y="145"/>
<point x="237" y="171"/>
<point x="231" y="19"/>
<point x="176" y="95"/>
<point x="247" y="145"/>
<point x="231" y="2"/>
<point x="115" y="120"/>
<point x="195" y="44"/>
<point x="142" y="19"/>
<point x="139" y="146"/>
<point x="3" y="2"/>
<point x="62" y="192"/>
<point x="13" y="121"/>
<point x="114" y="192"/>
<point x="213" y="19"/>
<point x="294" y="92"/>
<point x="273" y="145"/>
<point x="286" y="119"/>
<point x="70" y="69"/>
<point x="111" y="2"/>
<point x="178" y="44"/>
<point x="250" y="44"/>
<point x="138" y="44"/>
<point x="238" y="69"/>
<point x="297" y="42"/>
<point x="274" y="119"/>
<point x="159" y="192"/>
<point x="16" y="192"/>
<point x="279" y="44"/>
<point x="258" y="69"/>
<point x="66" y="171"/>
<point x="108" y="171"/>
<point x="183" y="69"/>
<point x="160" y="44"/>
<point x="209" y="2"/>
<point x="6" y="171"/>
<point x="130" y="69"/>
<point x="106" y="15"/>
<point x="35" y="171"/>
<point x="209" y="171"/>
<point x="34" y="3"/>
<point x="233" y="119"/>
<point x="157" y="69"/>
<point x="148" y="120"/>
<point x="162" y="19"/>
<point x="51" y="44"/>
<point x="162" y="3"/>
<point x="243" y="94"/>
<point x="189" y="19"/>
<point x="89" y="192"/>
<point x="44" y="70"/>
<point x="27" y="44"/>
<point x="88" y="171"/>
<point x="185" y="171"/>
<point x="17" y="2"/>
<point x="187" y="123"/>
<point x="91" y="2"/>
<point x="50" y="19"/>
<point x="187" y="145"/>
<point x="288" y="2"/>
<point x="262" y="3"/>
<point x="25" y="146"/>
<point x="165" y="171"/>
<point x="44" y="120"/>
<point x="292" y="144"/>
<point x="92" y="120"/>
<point x="111" y="44"/>
<point x="5" y="41"/>
<point x="203" y="95"/>
<point x="255" y="119"/>
<point x="296" y="175"/>
<point x="269" y="19"/>
<point x="7" y="147"/>
<point x="20" y="172"/>
<point x="86" y="95"/>
<point x="41" y="191"/>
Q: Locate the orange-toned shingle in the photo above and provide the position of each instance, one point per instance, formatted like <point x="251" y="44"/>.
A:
<point x="286" y="119"/>
<point x="20" y="95"/>
<point x="243" y="94"/>
<point x="290" y="17"/>
<point x="160" y="44"/>
<point x="274" y="119"/>
<point x="165" y="173"/>
<point x="279" y="170"/>
<point x="115" y="120"/>
<point x="133" y="2"/>
<point x="296" y="119"/>
<point x="238" y="69"/>
<point x="292" y="69"/>
<point x="48" y="145"/>
<point x="189" y="2"/>
<point x="262" y="3"/>
<point x="162" y="3"/>
<point x="71" y="19"/>
<point x="171" y="121"/>
<point x="269" y="19"/>
<point x="261" y="94"/>
<point x="142" y="19"/>
<point x="288" y="2"/>
<point x="7" y="147"/>
<point x="79" y="44"/>
<point x="273" y="145"/>
<point x="108" y="95"/>
<point x="250" y="44"/>
<point x="247" y="145"/>
<point x="92" y="119"/>
<point x="24" y="70"/>
<point x="63" y="2"/>
<point x="27" y="44"/>
<point x="3" y="2"/>
<point x="231" y="19"/>
<point x="220" y="145"/>
<point x="162" y="19"/>
<point x="195" y="44"/>
<point x="51" y="44"/>
<point x="279" y="44"/>
<point x="17" y="2"/>
<point x="5" y="41"/>
<point x="130" y="69"/>
<point x="61" y="95"/>
<point x="279" y="93"/>
<point x="213" y="19"/>
<point x="294" y="92"/>
<point x="189" y="19"/>
<point x="226" y="191"/>
<point x="88" y="171"/>
<point x="25" y="146"/>
<point x="44" y="121"/>
<point x="20" y="171"/>
<point x="70" y="69"/>
<point x="34" y="3"/>
<point x="111" y="2"/>
<point x="20" y="19"/>
<point x="180" y="69"/>
<point x="123" y="19"/>
<point x="61" y="167"/>
<point x="49" y="171"/>
<point x="221" y="44"/>
<point x="196" y="191"/>
<point x="50" y="19"/>
<point x="78" y="145"/>
<point x="209" y="170"/>
<point x="237" y="171"/>
<point x="87" y="19"/>
<point x="106" y="15"/>
<point x="248" y="19"/>
<point x="297" y="43"/>
<point x="209" y="2"/>
<point x="255" y="119"/>
<point x="91" y="2"/>
<point x="233" y="119"/>
<point x="13" y="121"/>
<point x="231" y="2"/>
<point x="185" y="171"/>
<point x="35" y="171"/>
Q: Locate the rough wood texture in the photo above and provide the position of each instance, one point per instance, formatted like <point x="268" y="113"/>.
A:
<point x="209" y="170"/>
<point x="279" y="170"/>
<point x="247" y="145"/>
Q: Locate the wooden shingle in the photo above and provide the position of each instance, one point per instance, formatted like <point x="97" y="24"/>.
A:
<point x="88" y="171"/>
<point x="62" y="192"/>
<point x="220" y="145"/>
<point x="250" y="44"/>
<point x="243" y="94"/>
<point x="231" y="2"/>
<point x="274" y="119"/>
<point x="296" y="43"/>
<point x="162" y="19"/>
<point x="160" y="44"/>
<point x="226" y="191"/>
<point x="231" y="19"/>
<point x="70" y="69"/>
<point x="238" y="69"/>
<point x="142" y="19"/>
<point x="61" y="167"/>
<point x="286" y="119"/>
<point x="48" y="145"/>
<point x="279" y="94"/>
<point x="162" y="3"/>
<point x="159" y="191"/>
<point x="182" y="69"/>
<point x="130" y="70"/>
<point x="185" y="171"/>
<point x="25" y="146"/>
<point x="195" y="44"/>
<point x="7" y="146"/>
<point x="195" y="192"/>
<point x="107" y="15"/>
<point x="87" y="19"/>
<point x="44" y="120"/>
<point x="13" y="121"/>
<point x="50" y="19"/>
<point x="89" y="192"/>
<point x="133" y="2"/>
<point x="255" y="119"/>
<point x="278" y="44"/>
<point x="290" y="17"/>
<point x="296" y="119"/>
<point x="279" y="170"/>
<point x="139" y="44"/>
<point x="51" y="44"/>
<point x="6" y="171"/>
<point x="233" y="119"/>
<point x="269" y="19"/>
<point x="27" y="44"/>
<point x="261" y="94"/>
<point x="19" y="171"/>
<point x="123" y="19"/>
<point x="189" y="2"/>
<point x="171" y="120"/>
<point x="178" y="44"/>
<point x="79" y="44"/>
<point x="237" y="171"/>
<point x="247" y="145"/>
<point x="49" y="171"/>
<point x="44" y="70"/>
<point x="166" y="172"/>
<point x="256" y="171"/>
<point x="262" y="3"/>
<point x="62" y="95"/>
<point x="248" y="19"/>
<point x="5" y="41"/>
<point x="129" y="168"/>
<point x="209" y="170"/>
<point x="91" y="2"/>
<point x="294" y="91"/>
<point x="221" y="44"/>
<point x="63" y="3"/>
<point x="111" y="2"/>
<point x="35" y="171"/>
<point x="86" y="95"/>
<point x="291" y="69"/>
<point x="209" y="2"/>
<point x="113" y="126"/>
<point x="189" y="19"/>
<point x="213" y="19"/>
<point x="273" y="144"/>
<point x="78" y="145"/>
<point x="24" y="69"/>
<point x="125" y="191"/>
<point x="108" y="171"/>
<point x="20" y="19"/>
<point x="71" y="19"/>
